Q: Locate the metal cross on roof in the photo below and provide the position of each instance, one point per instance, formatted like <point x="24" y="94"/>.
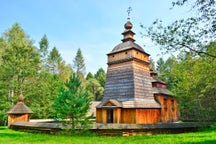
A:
<point x="129" y="11"/>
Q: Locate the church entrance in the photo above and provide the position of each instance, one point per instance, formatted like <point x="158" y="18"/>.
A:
<point x="109" y="115"/>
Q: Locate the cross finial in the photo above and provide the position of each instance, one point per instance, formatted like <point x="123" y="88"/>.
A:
<point x="129" y="11"/>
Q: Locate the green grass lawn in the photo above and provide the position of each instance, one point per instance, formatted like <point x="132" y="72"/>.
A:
<point x="8" y="136"/>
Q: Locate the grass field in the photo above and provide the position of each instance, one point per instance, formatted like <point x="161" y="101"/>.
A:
<point x="8" y="136"/>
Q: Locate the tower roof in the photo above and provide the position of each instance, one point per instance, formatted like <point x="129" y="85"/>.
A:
<point x="128" y="41"/>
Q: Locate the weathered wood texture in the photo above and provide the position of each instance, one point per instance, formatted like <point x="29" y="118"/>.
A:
<point x="148" y="116"/>
<point x="169" y="110"/>
<point x="127" y="54"/>
<point x="120" y="82"/>
<point x="128" y="80"/>
<point x="130" y="116"/>
<point x="49" y="128"/>
<point x="17" y="117"/>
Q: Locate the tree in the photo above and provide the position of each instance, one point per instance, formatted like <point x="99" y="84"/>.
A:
<point x="192" y="80"/>
<point x="65" y="71"/>
<point x="89" y="76"/>
<point x="96" y="91"/>
<point x="73" y="103"/>
<point x="20" y="60"/>
<point x="161" y="68"/>
<point x="79" y="64"/>
<point x="19" y="63"/>
<point x="190" y="34"/>
<point x="43" y="48"/>
<point x="54" y="60"/>
<point x="165" y="71"/>
<point x="41" y="93"/>
<point x="101" y="76"/>
<point x="152" y="64"/>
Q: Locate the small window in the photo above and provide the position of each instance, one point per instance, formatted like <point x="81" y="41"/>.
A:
<point x="113" y="56"/>
<point x="172" y="101"/>
<point x="165" y="103"/>
<point x="137" y="53"/>
<point x="125" y="52"/>
<point x="173" y="106"/>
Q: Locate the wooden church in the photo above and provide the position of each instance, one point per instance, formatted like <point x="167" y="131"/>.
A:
<point x="133" y="93"/>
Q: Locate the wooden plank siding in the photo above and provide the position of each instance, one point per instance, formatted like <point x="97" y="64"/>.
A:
<point x="148" y="116"/>
<point x="17" y="117"/>
<point x="128" y="116"/>
<point x="169" y="110"/>
<point x="99" y="115"/>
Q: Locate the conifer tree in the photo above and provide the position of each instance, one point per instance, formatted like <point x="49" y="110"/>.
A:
<point x="73" y="103"/>
<point x="79" y="64"/>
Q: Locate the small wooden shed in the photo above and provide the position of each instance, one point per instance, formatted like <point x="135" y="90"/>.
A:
<point x="20" y="112"/>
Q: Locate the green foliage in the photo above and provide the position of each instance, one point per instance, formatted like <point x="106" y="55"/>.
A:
<point x="54" y="60"/>
<point x="152" y="64"/>
<point x="89" y="76"/>
<point x="95" y="89"/>
<point x="26" y="68"/>
<point x="190" y="34"/>
<point x="41" y="93"/>
<point x="192" y="75"/>
<point x="20" y="60"/>
<point x="165" y="71"/>
<point x="101" y="76"/>
<point x="73" y="104"/>
<point x="79" y="64"/>
<point x="65" y="71"/>
<point x="44" y="46"/>
<point x="192" y="80"/>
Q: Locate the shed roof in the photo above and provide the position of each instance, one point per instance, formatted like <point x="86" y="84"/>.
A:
<point x="162" y="91"/>
<point x="20" y="108"/>
<point x="156" y="80"/>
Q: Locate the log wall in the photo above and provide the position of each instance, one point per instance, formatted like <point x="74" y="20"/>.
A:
<point x="128" y="54"/>
<point x="99" y="115"/>
<point x="148" y="116"/>
<point x="169" y="110"/>
<point x="17" y="117"/>
<point x="128" y="116"/>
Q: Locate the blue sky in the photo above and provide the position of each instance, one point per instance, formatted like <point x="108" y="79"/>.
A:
<point x="95" y="26"/>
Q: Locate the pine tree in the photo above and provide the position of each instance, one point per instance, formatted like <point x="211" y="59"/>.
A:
<point x="43" y="48"/>
<point x="54" y="61"/>
<point x="73" y="103"/>
<point x="79" y="64"/>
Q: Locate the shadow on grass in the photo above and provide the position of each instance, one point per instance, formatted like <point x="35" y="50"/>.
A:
<point x="11" y="134"/>
<point x="203" y="142"/>
<point x="3" y="128"/>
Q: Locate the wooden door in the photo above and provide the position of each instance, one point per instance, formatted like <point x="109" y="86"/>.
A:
<point x="109" y="115"/>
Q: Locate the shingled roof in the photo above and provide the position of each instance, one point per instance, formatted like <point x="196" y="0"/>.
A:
<point x="162" y="91"/>
<point x="20" y="108"/>
<point x="131" y="103"/>
<point x="125" y="46"/>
